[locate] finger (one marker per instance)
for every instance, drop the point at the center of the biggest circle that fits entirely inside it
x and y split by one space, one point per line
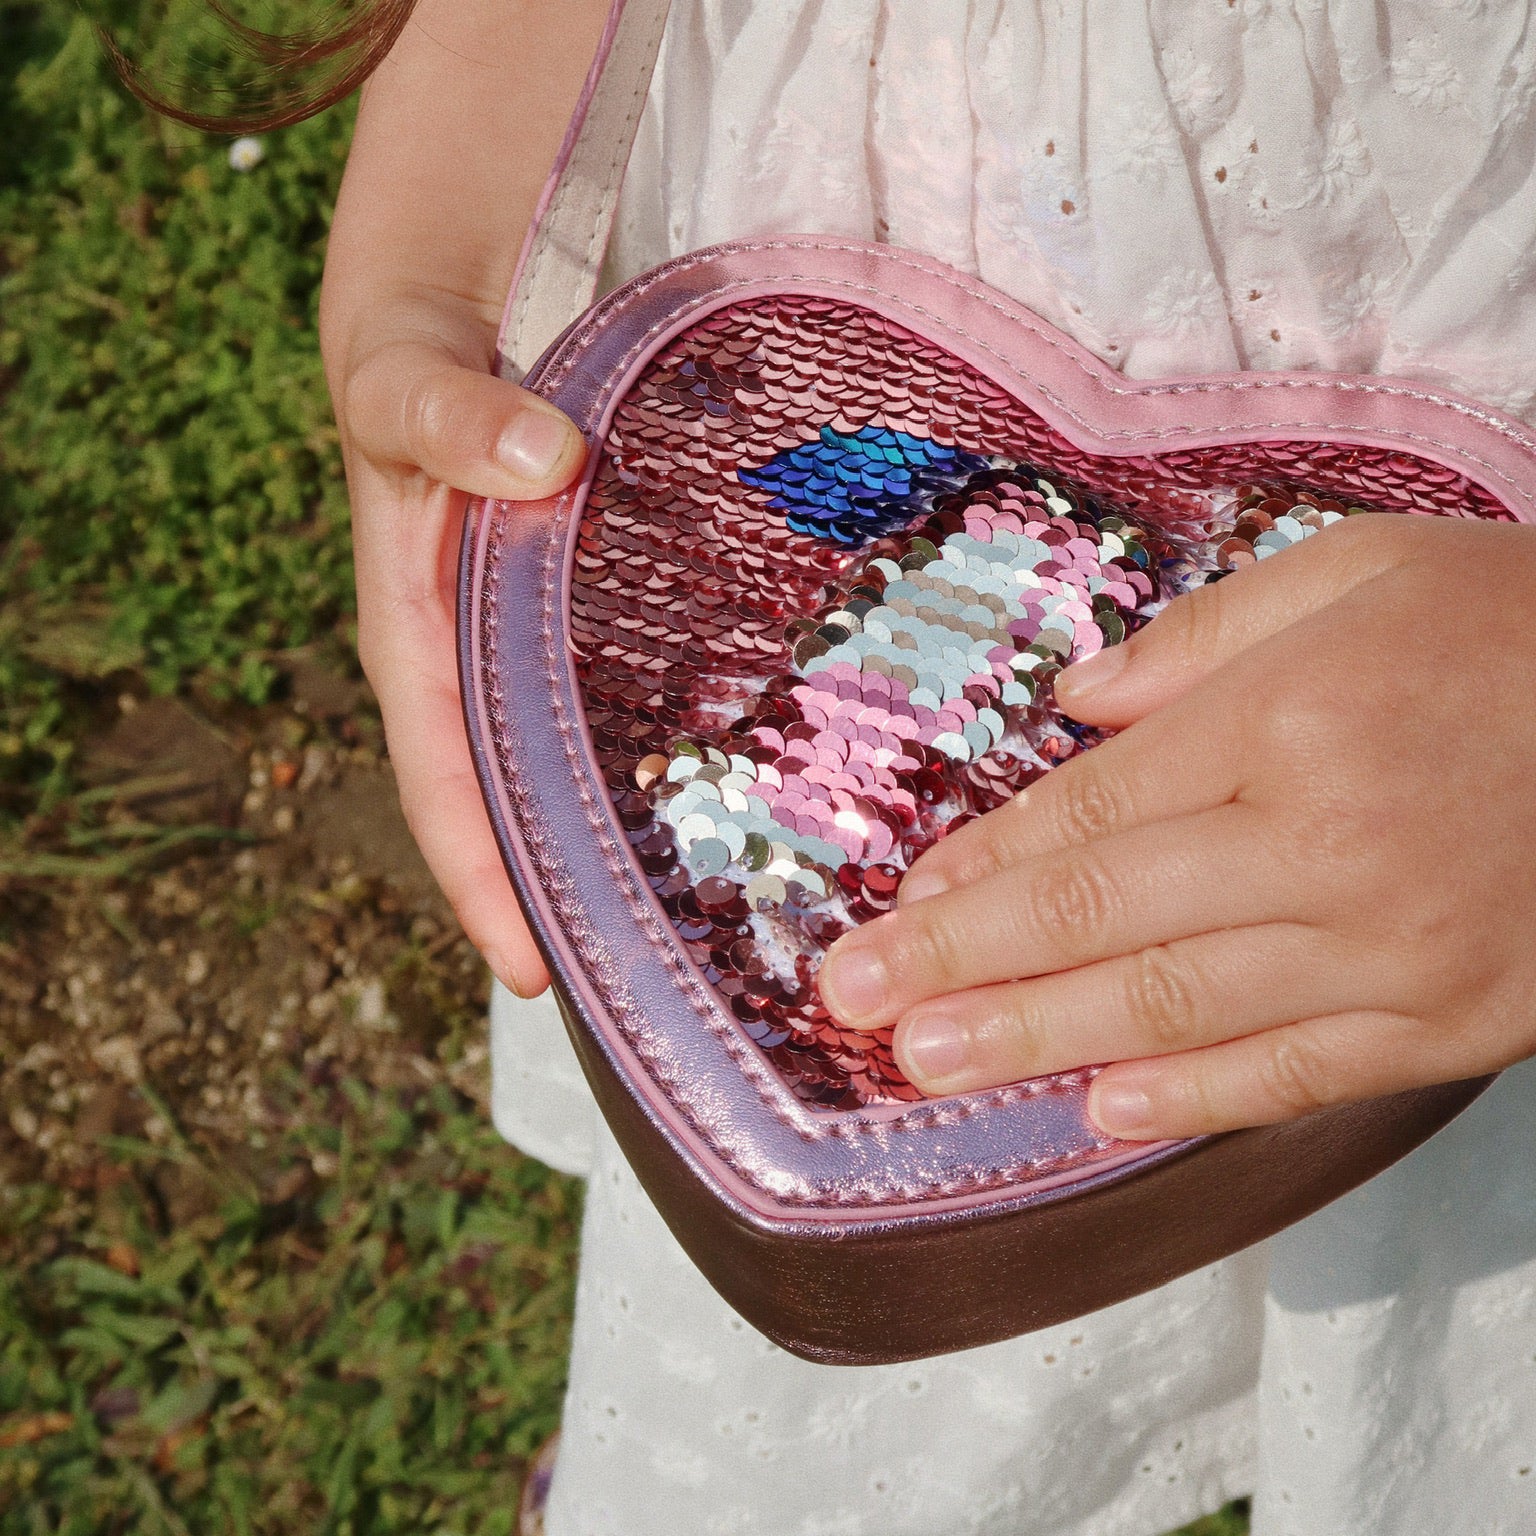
440 795
1268 1078
1172 997
407 642
1201 631
1173 761
1169 765
413 404
1151 885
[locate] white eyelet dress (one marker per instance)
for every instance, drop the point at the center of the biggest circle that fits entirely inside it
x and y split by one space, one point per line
1185 186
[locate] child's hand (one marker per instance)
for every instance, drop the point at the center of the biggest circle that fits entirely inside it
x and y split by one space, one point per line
454 137
1306 874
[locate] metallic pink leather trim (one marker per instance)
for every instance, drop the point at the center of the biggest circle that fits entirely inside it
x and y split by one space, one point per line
658 1027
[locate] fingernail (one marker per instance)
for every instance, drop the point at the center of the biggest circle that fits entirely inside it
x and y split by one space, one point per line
534 443
505 972
854 984
500 969
1121 1109
921 882
934 1049
1092 671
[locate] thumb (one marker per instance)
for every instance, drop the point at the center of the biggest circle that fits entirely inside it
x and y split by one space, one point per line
412 403
1202 630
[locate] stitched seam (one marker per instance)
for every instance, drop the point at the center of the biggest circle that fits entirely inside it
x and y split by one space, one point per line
597 818
848 1123
620 159
825 1192
1112 382
536 265
699 995
607 198
623 872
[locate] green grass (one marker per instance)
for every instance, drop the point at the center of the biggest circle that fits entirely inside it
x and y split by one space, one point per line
1232 1521
171 500
373 1351
194 1340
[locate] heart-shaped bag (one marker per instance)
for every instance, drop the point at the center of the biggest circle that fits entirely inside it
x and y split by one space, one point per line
846 513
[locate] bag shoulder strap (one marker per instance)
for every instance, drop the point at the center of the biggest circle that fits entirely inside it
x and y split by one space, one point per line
563 252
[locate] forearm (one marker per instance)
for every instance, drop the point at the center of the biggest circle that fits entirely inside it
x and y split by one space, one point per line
455 136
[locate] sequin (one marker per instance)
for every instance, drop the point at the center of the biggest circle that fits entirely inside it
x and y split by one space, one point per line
824 579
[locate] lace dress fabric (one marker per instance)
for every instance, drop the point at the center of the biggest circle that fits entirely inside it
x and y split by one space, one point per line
1185 189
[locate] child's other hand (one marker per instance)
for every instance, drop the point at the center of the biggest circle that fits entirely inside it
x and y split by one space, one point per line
454 138
1305 873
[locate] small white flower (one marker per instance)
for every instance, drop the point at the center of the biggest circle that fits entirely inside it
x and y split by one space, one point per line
1350 303
247 153
1424 75
1197 95
838 1422
1149 146
1344 161
1185 300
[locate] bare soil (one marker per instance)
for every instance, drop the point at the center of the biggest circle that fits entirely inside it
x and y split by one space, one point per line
306 931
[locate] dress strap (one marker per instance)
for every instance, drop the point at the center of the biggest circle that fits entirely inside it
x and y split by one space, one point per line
563 252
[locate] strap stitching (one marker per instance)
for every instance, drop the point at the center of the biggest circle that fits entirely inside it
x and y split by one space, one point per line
579 287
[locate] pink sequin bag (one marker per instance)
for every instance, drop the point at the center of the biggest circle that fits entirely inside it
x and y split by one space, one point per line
847 512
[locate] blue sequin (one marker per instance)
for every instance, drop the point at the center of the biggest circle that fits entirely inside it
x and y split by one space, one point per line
850 489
